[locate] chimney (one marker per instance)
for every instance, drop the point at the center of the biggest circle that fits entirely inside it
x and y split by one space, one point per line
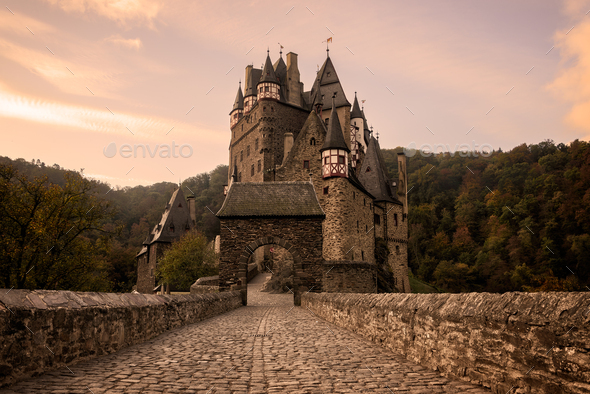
294 86
288 145
402 185
191 209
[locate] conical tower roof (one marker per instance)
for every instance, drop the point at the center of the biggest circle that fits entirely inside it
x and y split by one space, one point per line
328 84
373 174
268 72
356 109
334 137
239 101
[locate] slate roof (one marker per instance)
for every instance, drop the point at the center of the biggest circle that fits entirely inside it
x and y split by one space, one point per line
177 214
271 199
268 72
356 109
281 72
239 102
376 180
326 85
252 79
334 137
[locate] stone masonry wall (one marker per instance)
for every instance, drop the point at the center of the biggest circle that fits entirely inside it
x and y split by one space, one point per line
42 330
512 342
349 277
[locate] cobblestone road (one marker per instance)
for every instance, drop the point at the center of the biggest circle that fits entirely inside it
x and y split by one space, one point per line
267 347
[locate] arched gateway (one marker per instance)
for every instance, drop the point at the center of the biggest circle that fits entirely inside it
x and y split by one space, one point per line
255 214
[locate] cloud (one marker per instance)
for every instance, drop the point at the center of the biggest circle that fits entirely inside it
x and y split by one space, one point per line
573 81
122 11
125 42
97 120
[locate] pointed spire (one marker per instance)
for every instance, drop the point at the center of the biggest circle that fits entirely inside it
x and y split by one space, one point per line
356 110
268 72
334 137
239 101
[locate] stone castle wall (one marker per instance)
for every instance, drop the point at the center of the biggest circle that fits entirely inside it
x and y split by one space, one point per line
42 330
513 342
146 267
349 277
267 122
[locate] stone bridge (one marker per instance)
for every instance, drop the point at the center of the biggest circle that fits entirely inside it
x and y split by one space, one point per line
65 342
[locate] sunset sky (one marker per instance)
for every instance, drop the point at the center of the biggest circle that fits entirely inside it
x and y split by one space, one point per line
78 75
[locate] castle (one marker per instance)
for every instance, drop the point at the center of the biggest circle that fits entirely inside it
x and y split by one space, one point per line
303 164
281 133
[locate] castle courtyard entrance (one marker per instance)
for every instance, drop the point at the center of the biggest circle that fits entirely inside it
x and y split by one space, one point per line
286 214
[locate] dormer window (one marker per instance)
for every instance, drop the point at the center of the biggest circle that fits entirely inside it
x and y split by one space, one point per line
368 169
179 205
171 228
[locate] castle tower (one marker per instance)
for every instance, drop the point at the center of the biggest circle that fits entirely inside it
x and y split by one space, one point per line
250 93
334 151
238 109
268 87
294 86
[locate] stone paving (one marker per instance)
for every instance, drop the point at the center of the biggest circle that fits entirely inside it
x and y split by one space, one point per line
267 347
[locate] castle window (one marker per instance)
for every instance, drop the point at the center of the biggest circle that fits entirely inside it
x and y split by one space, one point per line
266 88
364 202
260 89
256 145
395 219
368 169
326 121
272 109
171 228
152 272
326 190
242 127
239 177
362 255
241 155
340 159
264 108
326 160
248 150
397 249
306 164
353 195
377 219
329 73
259 165
179 205
357 226
252 170
312 141
366 228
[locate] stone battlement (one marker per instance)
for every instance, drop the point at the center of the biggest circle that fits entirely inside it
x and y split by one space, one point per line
487 339
42 330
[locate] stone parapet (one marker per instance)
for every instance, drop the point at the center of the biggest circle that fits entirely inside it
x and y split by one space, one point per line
42 330
512 342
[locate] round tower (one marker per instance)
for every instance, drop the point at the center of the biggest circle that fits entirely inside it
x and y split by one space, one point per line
268 87
238 109
334 151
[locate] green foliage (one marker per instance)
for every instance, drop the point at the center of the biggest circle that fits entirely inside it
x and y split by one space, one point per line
52 235
513 221
187 260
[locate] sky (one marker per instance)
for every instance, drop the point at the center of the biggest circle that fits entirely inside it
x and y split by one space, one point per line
81 79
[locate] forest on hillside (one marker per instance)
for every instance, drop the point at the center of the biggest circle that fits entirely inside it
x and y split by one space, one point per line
513 221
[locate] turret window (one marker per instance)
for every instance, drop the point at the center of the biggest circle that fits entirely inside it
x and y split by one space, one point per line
171 228
256 145
368 169
340 159
259 165
241 155
252 170
266 88
312 141
377 219
326 190
395 219
397 249
306 164
248 150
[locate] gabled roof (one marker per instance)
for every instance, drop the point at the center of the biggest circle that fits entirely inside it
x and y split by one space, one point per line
252 78
176 214
239 101
326 85
271 199
334 137
268 72
356 110
373 174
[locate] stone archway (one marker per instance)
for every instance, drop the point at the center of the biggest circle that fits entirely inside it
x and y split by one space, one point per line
284 213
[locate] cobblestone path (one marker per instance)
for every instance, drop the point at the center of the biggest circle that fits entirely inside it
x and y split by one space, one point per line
267 347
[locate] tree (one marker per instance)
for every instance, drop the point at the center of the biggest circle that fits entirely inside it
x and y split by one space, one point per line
51 235
186 260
